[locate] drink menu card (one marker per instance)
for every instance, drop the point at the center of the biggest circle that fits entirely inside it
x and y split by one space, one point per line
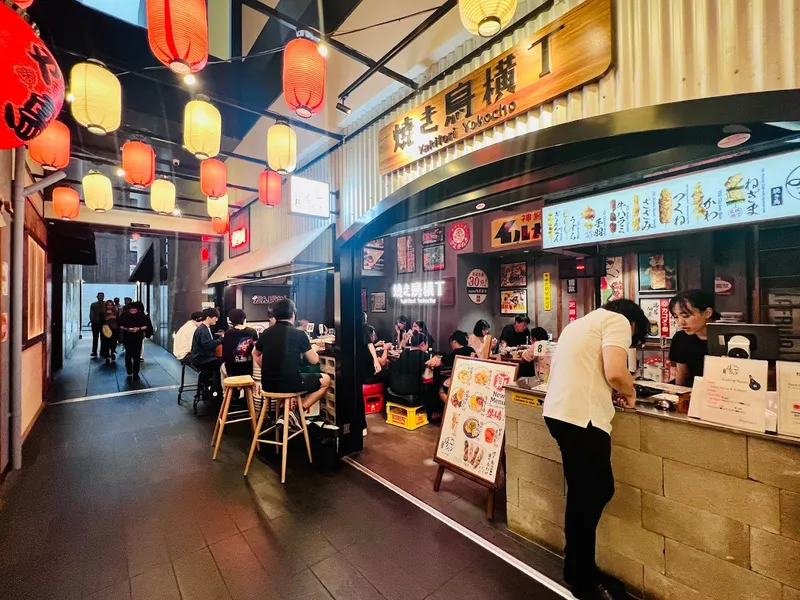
736 392
788 398
474 420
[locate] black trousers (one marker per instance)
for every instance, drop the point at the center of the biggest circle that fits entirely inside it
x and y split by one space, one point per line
108 346
586 453
96 332
133 352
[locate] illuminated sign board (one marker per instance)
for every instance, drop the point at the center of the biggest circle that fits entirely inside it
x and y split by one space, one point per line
309 198
239 236
418 292
741 194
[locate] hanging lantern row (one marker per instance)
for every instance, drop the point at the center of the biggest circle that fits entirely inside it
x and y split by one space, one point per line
217 207
304 70
33 87
51 148
139 164
96 97
220 225
202 128
97 192
486 17
281 148
162 196
66 203
178 34
213 178
269 188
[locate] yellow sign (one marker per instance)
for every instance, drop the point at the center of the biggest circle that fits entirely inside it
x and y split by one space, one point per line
548 304
567 53
527 400
516 230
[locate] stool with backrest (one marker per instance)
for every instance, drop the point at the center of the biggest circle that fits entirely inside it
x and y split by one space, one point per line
282 401
183 387
226 416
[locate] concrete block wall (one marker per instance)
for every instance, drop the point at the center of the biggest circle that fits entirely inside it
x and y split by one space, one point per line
698 513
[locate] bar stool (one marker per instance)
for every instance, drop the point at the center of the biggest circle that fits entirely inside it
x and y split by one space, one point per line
226 416
259 436
184 387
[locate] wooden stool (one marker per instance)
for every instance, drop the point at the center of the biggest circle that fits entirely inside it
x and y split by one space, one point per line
234 383
258 437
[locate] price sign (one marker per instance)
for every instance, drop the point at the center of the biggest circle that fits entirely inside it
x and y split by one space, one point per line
477 286
547 302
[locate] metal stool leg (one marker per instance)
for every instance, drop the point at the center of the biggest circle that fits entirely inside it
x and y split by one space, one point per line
183 379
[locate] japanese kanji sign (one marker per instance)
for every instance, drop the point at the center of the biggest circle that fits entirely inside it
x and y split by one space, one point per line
569 52
516 230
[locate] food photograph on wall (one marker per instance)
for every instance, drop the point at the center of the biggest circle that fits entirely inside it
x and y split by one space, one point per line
433 258
658 272
514 274
513 302
433 236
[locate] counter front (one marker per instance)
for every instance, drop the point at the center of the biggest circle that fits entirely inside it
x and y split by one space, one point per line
700 511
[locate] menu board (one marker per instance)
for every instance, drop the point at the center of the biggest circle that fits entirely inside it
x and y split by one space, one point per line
744 193
788 398
474 421
735 392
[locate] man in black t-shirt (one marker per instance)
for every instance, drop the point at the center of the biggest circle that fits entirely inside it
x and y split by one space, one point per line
280 351
238 344
517 334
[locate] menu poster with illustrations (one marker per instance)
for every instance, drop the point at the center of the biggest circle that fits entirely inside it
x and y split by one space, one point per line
474 420
736 392
788 398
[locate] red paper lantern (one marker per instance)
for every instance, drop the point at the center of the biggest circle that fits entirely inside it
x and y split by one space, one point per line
139 164
51 148
213 178
32 92
220 225
205 254
178 33
269 188
66 203
24 3
303 77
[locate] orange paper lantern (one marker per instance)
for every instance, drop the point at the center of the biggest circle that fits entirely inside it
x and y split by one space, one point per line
51 148
269 188
24 3
66 203
178 33
220 225
213 178
303 77
139 164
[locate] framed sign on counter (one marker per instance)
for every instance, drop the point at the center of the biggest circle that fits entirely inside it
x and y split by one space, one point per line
472 436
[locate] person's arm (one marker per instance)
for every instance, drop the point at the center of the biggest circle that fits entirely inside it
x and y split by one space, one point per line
683 376
376 362
257 356
309 352
616 339
677 357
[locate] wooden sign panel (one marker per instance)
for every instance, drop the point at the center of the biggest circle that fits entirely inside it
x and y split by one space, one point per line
474 420
571 51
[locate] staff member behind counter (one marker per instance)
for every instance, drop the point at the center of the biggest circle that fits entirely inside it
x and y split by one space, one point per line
693 309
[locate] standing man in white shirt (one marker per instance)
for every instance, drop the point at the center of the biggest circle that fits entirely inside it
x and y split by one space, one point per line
588 376
182 342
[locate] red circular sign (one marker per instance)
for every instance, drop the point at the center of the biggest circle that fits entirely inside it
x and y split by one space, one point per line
458 236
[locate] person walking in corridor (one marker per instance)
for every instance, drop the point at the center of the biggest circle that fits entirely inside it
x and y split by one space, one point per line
97 316
134 324
108 340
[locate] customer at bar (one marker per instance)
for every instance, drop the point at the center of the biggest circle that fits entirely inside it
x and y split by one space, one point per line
401 328
459 344
588 376
237 345
406 375
516 334
134 325
182 342
280 352
374 363
693 309
477 339
204 347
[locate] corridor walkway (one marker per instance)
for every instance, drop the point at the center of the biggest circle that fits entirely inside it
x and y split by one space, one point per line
119 500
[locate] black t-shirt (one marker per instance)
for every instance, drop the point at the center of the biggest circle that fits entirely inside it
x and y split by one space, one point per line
449 359
511 337
691 351
405 375
283 347
237 351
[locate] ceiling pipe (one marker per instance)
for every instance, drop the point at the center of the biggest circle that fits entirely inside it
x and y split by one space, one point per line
17 307
429 21
332 42
43 183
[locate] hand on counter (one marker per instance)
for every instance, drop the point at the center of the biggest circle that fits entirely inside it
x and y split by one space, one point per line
624 400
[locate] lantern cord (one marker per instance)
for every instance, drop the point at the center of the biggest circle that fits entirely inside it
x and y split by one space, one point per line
382 23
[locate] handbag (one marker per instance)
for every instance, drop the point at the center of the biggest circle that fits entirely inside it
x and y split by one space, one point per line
107 333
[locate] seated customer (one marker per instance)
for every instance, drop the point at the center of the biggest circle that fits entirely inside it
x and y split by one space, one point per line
458 343
517 334
374 364
237 345
477 339
280 352
182 342
204 347
406 375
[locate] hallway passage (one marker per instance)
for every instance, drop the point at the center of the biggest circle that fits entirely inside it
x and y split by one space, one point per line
84 375
119 500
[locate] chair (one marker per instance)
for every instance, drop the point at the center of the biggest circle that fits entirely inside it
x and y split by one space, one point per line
183 387
373 397
487 347
226 416
258 436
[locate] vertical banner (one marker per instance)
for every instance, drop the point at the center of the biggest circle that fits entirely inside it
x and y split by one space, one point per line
548 301
665 315
573 310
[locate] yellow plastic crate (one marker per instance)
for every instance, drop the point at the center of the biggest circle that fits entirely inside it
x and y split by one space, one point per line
407 417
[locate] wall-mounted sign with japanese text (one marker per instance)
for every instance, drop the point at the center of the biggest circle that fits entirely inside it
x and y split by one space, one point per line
569 52
741 194
477 286
572 310
309 198
517 230
239 236
418 292
458 236
547 297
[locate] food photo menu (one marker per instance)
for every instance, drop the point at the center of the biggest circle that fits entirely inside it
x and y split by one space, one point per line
474 421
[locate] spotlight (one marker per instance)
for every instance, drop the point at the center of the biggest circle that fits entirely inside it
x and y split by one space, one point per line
176 212
342 107
120 172
322 49
189 79
70 97
480 206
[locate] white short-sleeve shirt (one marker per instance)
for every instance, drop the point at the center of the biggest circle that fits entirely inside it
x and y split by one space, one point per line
578 391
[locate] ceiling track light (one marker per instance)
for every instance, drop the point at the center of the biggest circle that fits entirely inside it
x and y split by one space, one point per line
342 107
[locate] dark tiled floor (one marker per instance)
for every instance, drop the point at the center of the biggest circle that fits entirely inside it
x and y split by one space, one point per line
119 499
406 459
84 376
